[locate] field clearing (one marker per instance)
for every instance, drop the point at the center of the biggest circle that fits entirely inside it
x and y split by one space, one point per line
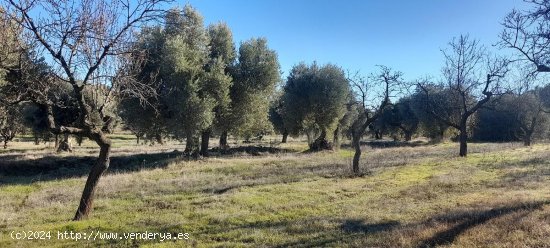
499 196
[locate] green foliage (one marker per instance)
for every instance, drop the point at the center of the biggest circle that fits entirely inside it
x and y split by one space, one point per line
187 65
219 81
432 107
385 124
351 114
275 114
514 117
185 55
10 48
397 120
406 119
315 98
11 123
35 119
146 119
30 72
221 43
255 76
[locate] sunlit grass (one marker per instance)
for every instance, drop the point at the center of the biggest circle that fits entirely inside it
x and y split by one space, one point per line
411 196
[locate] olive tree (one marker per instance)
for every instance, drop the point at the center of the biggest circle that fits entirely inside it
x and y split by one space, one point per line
405 118
519 116
255 75
440 101
145 119
187 65
11 123
221 58
276 116
531 115
315 97
344 123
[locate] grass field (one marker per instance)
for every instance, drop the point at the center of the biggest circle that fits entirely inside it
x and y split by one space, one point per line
280 196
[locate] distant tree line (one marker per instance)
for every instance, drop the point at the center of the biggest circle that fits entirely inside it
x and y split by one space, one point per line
91 66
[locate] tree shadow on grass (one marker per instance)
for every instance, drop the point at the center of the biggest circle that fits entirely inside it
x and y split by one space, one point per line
273 175
15 169
526 173
358 226
19 150
355 231
301 232
389 144
350 229
467 220
248 150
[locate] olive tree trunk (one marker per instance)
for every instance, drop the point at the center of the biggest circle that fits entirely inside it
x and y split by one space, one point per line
192 145
527 139
79 140
223 140
65 145
408 135
205 141
36 138
285 137
378 135
159 139
321 142
336 138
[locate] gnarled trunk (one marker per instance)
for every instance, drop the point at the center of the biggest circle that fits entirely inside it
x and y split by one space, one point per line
192 145
205 141
321 142
159 139
223 140
65 145
378 135
7 136
527 139
408 136
79 140
285 137
36 138
336 138
101 165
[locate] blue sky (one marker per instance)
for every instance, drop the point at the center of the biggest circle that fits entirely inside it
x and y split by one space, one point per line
357 35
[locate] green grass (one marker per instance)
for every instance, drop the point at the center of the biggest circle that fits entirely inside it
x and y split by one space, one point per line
499 196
